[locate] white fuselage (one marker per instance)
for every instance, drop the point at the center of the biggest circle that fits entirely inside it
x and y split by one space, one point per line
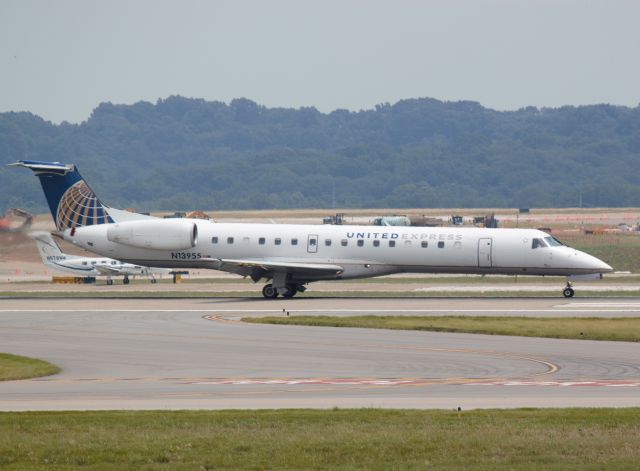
89 266
361 251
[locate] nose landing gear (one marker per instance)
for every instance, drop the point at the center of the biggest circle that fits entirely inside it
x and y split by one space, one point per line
568 292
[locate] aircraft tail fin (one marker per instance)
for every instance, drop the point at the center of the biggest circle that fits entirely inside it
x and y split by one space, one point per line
71 201
49 251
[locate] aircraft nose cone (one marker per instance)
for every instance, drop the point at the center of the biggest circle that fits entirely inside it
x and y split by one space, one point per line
595 264
606 268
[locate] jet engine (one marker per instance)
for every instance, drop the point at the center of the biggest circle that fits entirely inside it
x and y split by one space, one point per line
161 234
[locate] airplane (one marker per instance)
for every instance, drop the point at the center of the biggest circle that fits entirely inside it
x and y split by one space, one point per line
288 257
52 256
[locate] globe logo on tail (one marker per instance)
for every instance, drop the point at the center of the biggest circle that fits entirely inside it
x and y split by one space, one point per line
79 206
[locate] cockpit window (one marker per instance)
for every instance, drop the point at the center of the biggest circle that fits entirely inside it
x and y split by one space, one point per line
536 243
553 242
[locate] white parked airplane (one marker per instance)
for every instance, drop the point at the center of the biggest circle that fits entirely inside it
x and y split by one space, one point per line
291 256
52 256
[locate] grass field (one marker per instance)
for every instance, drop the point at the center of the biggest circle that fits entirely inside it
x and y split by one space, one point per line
621 251
17 367
560 439
588 328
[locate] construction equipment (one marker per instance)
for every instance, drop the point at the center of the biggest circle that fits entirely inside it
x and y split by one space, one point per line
392 220
338 219
8 221
488 220
425 221
197 215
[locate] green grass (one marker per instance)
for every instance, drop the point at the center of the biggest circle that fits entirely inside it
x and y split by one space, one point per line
621 251
556 439
586 328
17 367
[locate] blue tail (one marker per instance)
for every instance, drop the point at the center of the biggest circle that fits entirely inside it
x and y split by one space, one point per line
71 201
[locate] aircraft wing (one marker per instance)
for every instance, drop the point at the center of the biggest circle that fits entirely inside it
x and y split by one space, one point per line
105 270
259 268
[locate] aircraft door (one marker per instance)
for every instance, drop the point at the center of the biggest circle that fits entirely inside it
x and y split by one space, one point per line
484 253
312 244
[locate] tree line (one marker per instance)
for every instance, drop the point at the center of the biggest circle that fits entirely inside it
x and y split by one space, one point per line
182 153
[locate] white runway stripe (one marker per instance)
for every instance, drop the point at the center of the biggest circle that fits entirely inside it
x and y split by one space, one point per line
582 305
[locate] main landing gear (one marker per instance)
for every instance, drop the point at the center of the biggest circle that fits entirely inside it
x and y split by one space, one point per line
289 291
568 292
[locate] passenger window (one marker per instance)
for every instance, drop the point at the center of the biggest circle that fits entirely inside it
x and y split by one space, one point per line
229 240
392 243
84 263
327 242
424 244
441 244
343 242
93 263
294 241
376 243
278 241
113 263
262 240
360 243
214 240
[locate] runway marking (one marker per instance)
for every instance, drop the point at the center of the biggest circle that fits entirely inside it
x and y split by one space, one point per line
290 382
364 382
602 383
222 319
416 382
113 310
599 304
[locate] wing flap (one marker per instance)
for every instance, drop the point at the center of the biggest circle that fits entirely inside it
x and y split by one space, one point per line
248 267
105 270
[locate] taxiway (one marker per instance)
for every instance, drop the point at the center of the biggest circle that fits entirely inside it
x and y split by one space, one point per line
194 353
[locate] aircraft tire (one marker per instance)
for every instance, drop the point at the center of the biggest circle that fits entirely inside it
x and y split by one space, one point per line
269 292
125 281
291 291
109 282
153 281
568 292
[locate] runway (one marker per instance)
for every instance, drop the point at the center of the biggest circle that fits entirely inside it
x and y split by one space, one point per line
194 353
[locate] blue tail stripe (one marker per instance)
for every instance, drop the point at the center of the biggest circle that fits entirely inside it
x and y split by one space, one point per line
68 195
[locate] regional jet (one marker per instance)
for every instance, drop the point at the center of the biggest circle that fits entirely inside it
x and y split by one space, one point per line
53 257
288 257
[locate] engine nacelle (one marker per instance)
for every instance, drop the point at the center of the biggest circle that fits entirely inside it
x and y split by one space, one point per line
160 234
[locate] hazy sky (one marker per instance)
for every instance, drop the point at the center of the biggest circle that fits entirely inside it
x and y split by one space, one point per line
60 59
